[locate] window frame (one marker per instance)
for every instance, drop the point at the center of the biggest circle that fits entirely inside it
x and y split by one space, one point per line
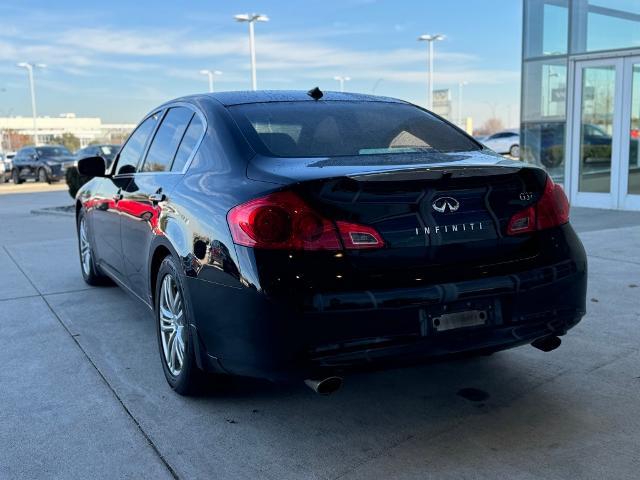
164 109
158 111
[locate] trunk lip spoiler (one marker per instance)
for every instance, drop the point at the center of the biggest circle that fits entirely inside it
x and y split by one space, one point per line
294 170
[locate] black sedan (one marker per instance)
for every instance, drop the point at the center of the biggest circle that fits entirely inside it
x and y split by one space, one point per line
43 164
287 235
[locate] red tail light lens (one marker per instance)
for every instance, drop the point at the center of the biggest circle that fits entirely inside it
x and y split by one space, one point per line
551 210
283 221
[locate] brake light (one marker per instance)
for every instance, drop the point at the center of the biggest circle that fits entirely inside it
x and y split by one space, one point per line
283 221
551 210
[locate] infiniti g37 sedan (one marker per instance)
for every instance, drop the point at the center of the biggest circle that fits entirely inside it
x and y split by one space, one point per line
293 235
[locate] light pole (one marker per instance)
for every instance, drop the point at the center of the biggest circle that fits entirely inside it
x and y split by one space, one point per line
460 85
210 74
251 19
30 67
342 79
430 39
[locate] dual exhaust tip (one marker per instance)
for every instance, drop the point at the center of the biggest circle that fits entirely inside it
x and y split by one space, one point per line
329 385
324 386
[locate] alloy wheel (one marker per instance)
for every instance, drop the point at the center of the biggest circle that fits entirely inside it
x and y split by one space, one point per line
85 249
172 325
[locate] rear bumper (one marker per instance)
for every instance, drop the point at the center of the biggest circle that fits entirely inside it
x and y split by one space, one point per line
246 333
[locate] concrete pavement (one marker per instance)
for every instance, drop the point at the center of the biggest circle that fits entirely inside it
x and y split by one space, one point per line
83 395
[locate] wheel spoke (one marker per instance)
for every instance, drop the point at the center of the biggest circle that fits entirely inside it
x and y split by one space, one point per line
165 313
177 302
180 350
171 343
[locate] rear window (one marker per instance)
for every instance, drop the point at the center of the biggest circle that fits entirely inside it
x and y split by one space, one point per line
327 129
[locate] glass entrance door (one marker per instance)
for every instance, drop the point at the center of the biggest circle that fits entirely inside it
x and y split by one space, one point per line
630 178
596 131
605 134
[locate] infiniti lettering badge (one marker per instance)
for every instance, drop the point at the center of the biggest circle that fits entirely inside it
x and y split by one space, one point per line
443 204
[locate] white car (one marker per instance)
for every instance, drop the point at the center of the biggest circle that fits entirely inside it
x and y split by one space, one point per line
6 163
505 142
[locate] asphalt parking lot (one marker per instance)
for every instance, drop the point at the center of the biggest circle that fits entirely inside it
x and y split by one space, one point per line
82 393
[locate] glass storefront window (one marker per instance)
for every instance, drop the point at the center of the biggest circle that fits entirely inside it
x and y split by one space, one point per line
605 25
544 115
547 27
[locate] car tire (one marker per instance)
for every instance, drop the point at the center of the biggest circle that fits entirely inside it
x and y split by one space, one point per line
90 271
15 176
514 151
43 177
172 322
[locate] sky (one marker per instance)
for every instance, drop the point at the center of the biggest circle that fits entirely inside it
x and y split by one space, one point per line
119 59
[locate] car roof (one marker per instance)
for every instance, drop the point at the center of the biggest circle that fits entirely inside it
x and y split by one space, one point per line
266 96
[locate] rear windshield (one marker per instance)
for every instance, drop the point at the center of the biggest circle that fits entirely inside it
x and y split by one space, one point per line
326 129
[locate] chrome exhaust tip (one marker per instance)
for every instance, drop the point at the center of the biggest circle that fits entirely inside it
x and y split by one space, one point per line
547 344
324 386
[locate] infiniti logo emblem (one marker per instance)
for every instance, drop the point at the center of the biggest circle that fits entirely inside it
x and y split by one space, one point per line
442 204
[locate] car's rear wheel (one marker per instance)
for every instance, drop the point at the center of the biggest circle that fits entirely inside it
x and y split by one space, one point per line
15 176
90 272
514 151
175 342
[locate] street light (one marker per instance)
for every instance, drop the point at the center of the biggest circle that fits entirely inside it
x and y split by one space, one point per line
30 67
460 85
210 74
430 39
342 79
251 19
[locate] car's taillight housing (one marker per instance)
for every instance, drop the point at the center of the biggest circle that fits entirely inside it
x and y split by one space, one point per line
551 210
283 221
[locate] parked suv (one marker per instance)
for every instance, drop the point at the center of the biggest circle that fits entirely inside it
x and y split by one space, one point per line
44 164
106 151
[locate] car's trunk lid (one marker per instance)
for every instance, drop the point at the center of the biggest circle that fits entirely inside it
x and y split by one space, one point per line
432 217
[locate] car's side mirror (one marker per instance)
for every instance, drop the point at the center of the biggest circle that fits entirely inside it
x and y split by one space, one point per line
92 167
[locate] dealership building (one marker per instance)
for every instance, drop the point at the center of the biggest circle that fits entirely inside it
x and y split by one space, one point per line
86 129
581 97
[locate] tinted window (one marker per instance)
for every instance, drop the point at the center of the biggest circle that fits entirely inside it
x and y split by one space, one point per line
318 129
166 140
130 154
189 142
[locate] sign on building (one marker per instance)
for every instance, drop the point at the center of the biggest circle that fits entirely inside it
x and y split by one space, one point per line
442 103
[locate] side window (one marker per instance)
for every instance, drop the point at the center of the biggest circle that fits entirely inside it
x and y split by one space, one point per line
189 142
131 152
166 140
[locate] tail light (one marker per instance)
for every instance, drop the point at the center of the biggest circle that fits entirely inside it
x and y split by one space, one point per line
283 221
551 210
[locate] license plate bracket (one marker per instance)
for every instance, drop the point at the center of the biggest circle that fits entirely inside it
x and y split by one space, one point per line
459 316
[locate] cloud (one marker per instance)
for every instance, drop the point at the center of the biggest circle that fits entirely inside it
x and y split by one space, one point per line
121 42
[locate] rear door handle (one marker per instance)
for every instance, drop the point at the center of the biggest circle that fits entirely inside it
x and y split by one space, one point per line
157 197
